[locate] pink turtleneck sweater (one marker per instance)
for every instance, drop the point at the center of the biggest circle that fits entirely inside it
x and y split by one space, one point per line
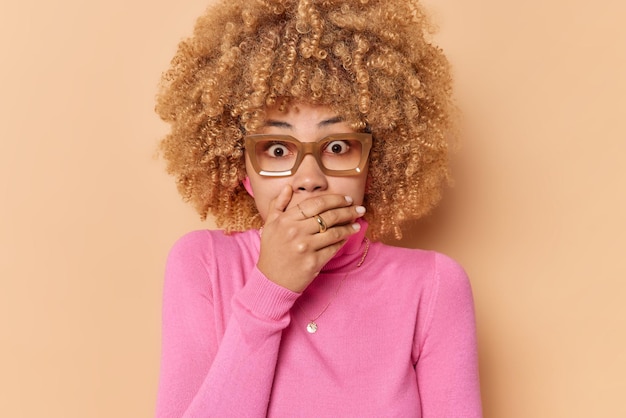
397 340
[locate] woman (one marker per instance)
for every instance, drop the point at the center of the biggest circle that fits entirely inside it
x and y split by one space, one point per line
309 130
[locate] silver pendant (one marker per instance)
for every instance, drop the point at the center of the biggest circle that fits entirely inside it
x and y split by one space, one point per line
311 327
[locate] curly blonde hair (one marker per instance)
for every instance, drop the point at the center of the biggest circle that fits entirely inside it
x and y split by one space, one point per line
370 60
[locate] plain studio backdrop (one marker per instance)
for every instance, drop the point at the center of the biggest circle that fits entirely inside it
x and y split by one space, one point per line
87 214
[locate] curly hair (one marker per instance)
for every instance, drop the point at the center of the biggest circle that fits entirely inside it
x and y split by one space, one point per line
369 60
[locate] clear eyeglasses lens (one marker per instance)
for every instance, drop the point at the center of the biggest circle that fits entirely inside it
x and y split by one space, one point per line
281 155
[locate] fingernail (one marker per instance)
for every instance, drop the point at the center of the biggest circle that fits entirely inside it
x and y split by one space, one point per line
356 226
360 210
348 199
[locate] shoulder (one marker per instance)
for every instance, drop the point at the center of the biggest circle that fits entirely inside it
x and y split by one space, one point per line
448 269
191 242
438 289
200 253
211 242
422 260
431 269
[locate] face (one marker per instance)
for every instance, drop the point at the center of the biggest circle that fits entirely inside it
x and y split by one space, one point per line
306 123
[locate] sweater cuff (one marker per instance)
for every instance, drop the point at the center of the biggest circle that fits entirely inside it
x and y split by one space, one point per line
264 298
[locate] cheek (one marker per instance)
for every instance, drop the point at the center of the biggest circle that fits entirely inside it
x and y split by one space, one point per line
264 191
362 192
355 187
363 186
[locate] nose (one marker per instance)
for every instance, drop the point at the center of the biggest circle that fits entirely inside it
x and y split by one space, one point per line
309 177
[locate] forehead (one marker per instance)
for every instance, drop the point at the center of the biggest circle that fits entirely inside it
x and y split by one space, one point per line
304 117
300 112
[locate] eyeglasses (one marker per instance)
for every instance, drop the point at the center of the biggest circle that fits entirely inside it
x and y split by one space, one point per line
342 154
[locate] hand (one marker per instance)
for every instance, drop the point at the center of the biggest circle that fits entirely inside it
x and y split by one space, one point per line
293 250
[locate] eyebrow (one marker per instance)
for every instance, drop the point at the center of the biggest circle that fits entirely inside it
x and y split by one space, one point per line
321 124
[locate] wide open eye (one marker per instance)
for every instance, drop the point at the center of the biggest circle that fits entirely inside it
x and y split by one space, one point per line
276 149
337 147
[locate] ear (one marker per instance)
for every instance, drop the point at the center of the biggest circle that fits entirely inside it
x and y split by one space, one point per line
247 186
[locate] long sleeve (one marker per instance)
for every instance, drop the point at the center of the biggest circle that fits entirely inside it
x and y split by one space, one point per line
447 369
213 365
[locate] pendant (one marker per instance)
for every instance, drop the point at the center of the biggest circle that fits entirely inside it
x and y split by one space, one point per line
312 327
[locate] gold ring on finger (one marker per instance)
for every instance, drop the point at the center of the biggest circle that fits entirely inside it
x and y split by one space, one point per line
321 223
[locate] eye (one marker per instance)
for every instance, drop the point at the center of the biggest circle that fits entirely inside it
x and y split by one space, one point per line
277 149
337 147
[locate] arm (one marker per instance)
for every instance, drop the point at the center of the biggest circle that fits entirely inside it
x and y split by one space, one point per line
212 370
447 370
204 376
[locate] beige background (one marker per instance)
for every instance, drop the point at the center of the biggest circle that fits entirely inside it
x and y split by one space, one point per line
87 214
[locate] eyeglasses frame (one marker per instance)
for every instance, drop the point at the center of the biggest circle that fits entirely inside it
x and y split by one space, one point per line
312 148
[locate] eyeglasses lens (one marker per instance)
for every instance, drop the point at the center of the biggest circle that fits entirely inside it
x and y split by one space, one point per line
278 155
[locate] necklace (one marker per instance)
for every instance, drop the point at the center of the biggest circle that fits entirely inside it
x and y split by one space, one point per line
312 325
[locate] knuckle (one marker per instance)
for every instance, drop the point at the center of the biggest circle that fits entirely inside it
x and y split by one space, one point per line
291 232
301 247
